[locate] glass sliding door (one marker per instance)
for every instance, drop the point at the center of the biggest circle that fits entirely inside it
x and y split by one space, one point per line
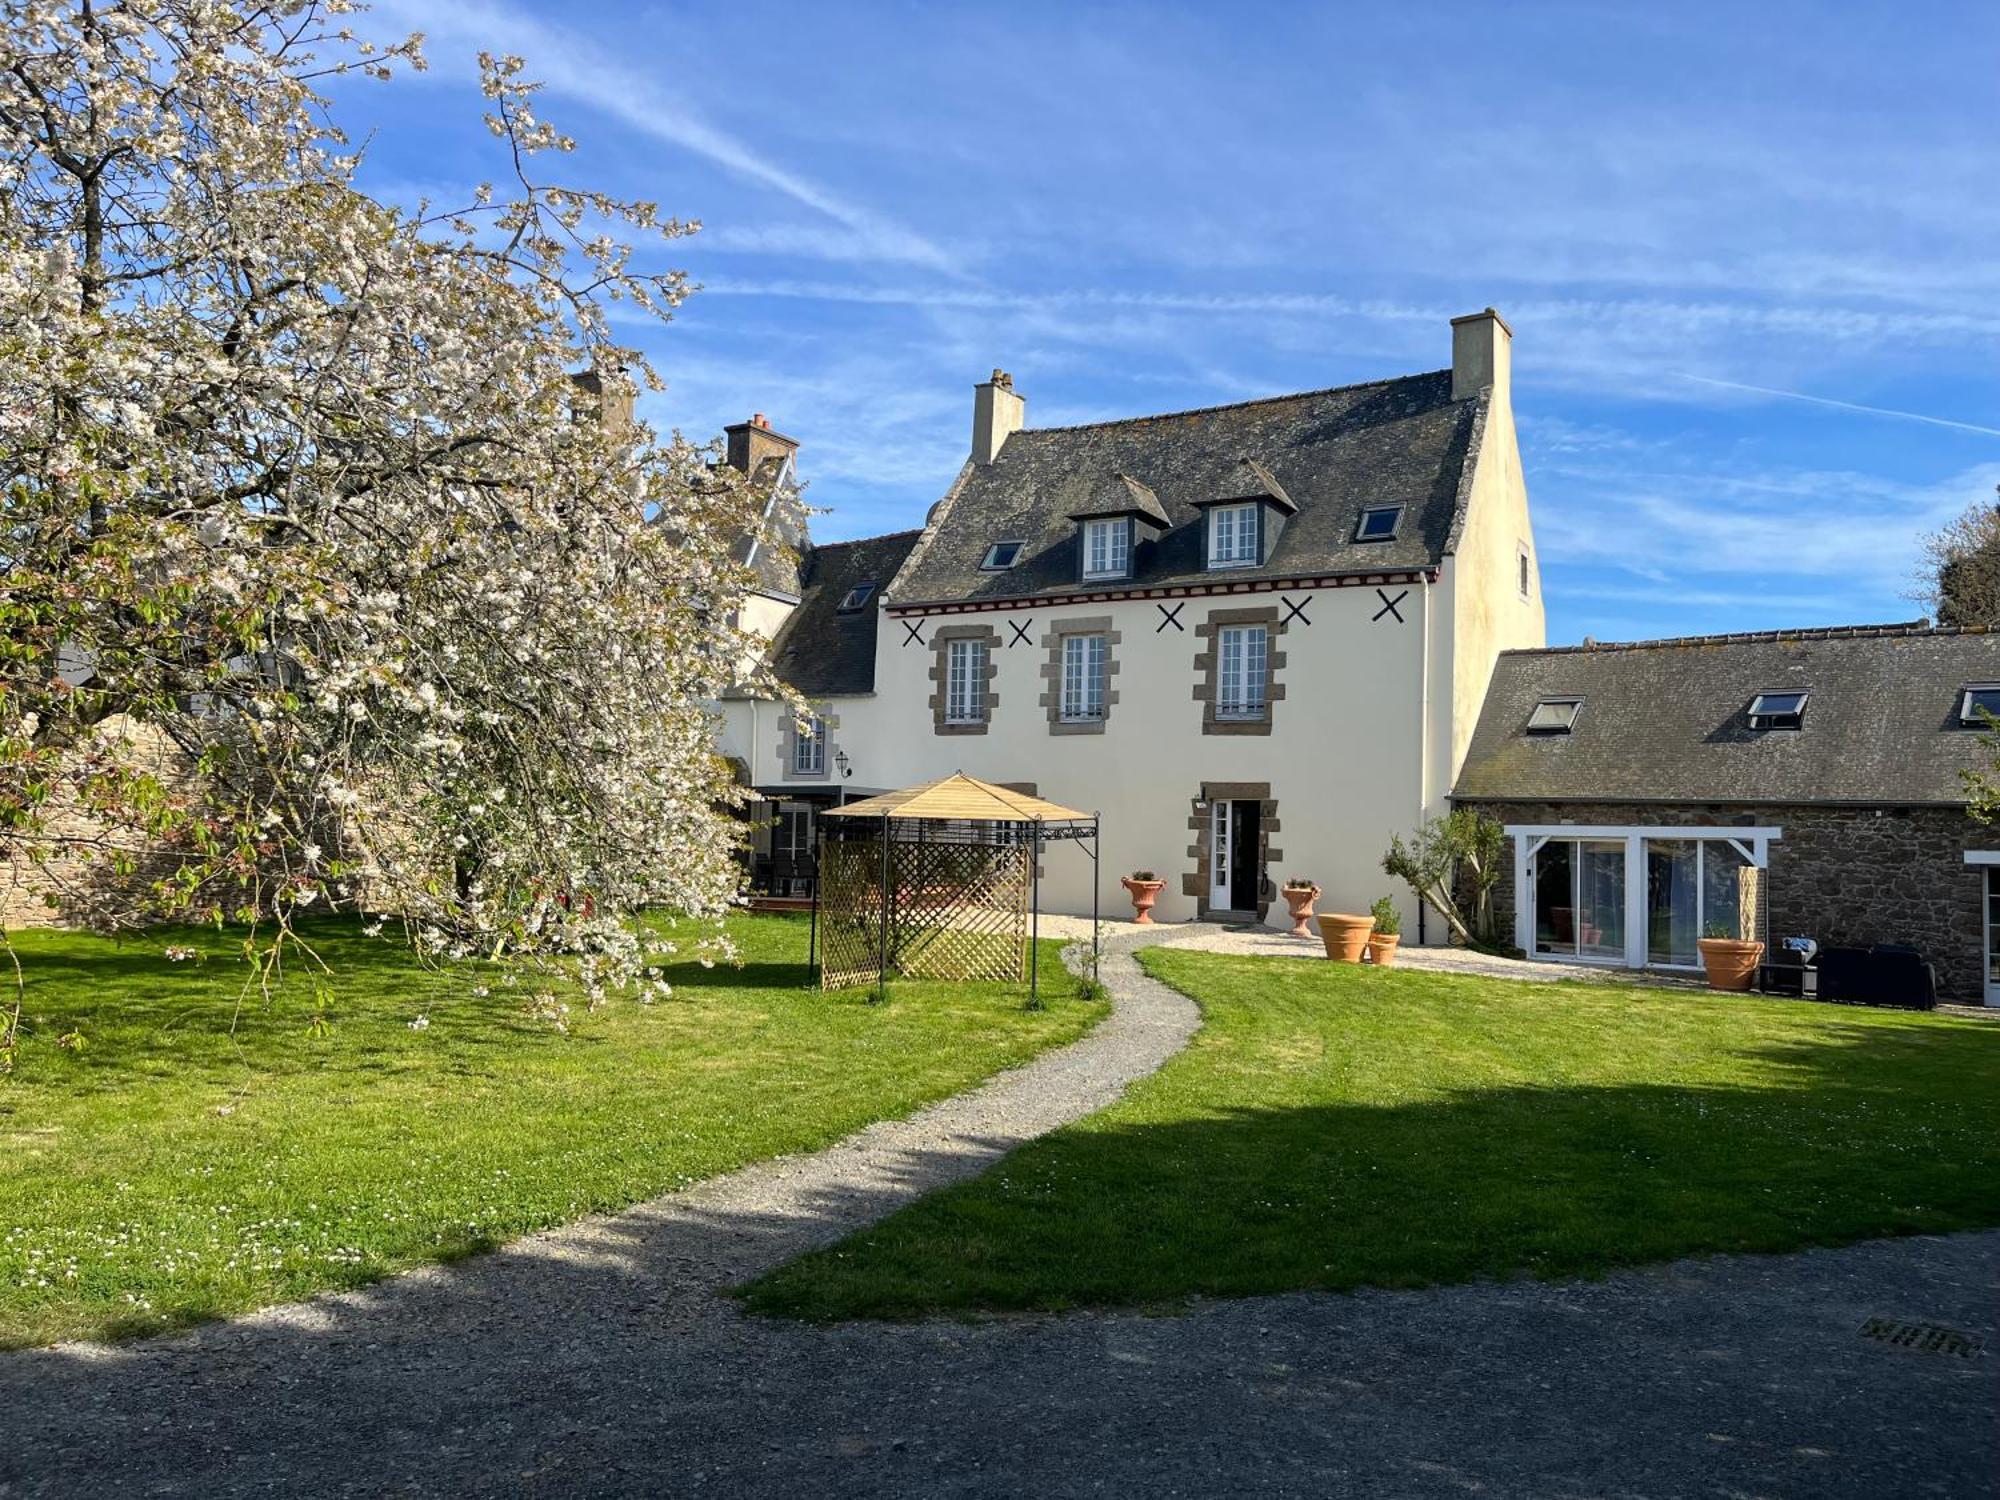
1673 887
1555 897
1600 898
1722 867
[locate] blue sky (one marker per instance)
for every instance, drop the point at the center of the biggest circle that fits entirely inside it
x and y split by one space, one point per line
1749 252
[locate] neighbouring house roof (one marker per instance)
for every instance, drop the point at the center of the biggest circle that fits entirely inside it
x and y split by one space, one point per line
1666 721
775 563
1325 455
821 651
960 796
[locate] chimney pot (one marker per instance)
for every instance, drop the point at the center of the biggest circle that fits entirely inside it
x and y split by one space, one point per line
760 420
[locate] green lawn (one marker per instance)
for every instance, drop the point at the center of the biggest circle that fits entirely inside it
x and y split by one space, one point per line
167 1173
1336 1126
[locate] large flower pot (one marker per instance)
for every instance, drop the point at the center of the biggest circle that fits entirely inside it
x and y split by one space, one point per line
1299 904
1382 948
1345 935
1144 893
1731 962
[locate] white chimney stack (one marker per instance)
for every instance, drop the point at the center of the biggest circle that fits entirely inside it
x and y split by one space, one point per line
1482 354
997 414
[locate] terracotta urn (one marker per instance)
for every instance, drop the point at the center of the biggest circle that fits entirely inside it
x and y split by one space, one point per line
1144 893
1731 962
1299 905
1382 948
1345 935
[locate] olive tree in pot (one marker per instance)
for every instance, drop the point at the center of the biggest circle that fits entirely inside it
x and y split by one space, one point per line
1387 934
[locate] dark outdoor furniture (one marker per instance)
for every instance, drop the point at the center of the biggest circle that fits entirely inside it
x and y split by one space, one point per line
1784 974
1887 974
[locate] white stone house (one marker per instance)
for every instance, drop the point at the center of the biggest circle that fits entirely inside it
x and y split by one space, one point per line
1254 637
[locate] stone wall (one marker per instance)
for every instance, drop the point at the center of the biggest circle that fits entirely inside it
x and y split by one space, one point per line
1842 875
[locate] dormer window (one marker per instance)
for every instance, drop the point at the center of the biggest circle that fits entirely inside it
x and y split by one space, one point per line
1001 556
1979 705
1233 532
856 599
1554 716
1378 523
1778 710
1107 548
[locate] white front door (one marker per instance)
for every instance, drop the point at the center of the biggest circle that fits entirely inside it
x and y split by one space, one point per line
1218 857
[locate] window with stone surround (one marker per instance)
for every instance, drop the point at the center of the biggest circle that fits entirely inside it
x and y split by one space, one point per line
1236 669
1076 675
962 676
809 748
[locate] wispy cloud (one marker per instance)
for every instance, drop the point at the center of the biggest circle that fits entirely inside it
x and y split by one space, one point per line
1854 406
569 65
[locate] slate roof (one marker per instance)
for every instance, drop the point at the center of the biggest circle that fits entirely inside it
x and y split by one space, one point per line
820 651
775 567
1330 453
1664 721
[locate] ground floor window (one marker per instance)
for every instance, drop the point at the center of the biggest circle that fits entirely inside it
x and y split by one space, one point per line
1635 896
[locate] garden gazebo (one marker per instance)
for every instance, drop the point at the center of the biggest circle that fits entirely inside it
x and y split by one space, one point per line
939 881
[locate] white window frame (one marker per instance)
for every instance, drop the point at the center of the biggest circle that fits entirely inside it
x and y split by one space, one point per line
1242 532
1085 668
988 563
965 682
1116 534
809 748
1233 660
1754 844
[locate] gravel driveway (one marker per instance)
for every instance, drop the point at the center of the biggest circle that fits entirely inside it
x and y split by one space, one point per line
599 1360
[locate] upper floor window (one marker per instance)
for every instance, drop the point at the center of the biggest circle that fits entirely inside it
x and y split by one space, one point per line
856 598
1780 710
1083 674
1378 523
1232 536
965 682
1979 705
1526 581
1107 548
1241 675
1001 556
809 748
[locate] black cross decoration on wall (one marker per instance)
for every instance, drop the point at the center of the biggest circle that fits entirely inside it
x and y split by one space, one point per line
1170 617
1389 605
1295 609
912 631
1020 634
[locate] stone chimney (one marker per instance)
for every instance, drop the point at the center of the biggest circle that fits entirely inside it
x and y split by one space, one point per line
751 442
609 400
997 414
1482 354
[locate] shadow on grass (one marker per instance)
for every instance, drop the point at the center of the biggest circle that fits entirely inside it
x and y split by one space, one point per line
1860 1131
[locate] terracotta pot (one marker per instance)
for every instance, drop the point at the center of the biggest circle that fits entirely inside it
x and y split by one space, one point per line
1731 962
1299 903
1345 935
1144 894
1382 947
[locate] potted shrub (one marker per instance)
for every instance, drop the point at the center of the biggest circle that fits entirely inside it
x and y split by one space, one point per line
1145 889
1300 891
1388 932
1345 935
1731 961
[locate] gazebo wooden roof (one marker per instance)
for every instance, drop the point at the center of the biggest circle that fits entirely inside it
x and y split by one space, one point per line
963 797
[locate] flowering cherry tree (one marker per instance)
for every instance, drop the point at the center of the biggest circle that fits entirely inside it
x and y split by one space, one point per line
328 580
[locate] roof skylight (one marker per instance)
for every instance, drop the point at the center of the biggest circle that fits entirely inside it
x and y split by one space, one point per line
856 598
1979 705
1001 556
1779 710
1554 716
1378 523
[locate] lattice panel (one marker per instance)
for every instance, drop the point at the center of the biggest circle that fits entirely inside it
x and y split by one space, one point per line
850 911
961 910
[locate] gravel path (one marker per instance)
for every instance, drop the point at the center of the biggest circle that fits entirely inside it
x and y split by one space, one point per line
599 1360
